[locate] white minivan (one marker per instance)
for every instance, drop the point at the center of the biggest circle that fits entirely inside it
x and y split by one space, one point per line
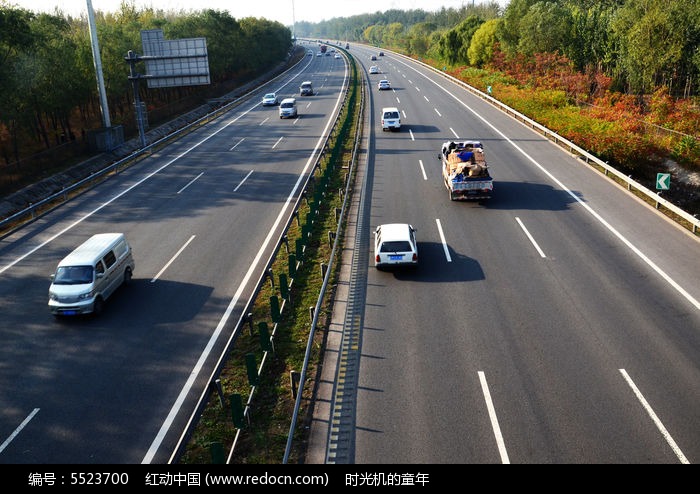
86 277
288 108
391 118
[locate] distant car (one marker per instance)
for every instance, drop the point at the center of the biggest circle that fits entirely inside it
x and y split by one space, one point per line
381 53
337 55
319 54
270 99
306 89
395 245
374 69
310 53
383 84
391 119
373 57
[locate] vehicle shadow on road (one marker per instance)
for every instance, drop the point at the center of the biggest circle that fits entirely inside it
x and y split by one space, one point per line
528 196
419 128
433 266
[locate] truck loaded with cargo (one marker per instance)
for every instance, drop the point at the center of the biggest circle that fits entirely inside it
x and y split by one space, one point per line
465 171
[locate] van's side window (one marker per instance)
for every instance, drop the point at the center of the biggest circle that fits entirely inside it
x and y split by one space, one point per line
99 267
110 259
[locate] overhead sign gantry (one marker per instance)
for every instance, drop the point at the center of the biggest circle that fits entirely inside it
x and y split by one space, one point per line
169 63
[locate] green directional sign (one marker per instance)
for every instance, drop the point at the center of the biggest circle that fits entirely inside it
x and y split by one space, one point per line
663 181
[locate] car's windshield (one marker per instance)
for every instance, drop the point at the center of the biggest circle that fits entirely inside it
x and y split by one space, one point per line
391 114
73 275
270 96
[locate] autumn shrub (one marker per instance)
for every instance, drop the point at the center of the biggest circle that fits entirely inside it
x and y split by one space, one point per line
631 132
687 152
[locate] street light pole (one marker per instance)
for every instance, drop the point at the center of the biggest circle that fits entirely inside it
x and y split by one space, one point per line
98 69
294 36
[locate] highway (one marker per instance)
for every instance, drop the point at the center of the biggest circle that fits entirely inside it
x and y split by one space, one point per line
203 216
556 323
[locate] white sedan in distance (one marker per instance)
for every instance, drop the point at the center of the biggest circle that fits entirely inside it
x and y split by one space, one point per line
270 99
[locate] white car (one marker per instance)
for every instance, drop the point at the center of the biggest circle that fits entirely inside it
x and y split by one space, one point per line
288 108
374 69
270 99
383 84
395 245
337 55
391 118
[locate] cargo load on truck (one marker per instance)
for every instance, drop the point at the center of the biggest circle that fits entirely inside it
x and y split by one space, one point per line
465 171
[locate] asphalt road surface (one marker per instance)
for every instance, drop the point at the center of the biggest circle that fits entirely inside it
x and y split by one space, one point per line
558 322
203 216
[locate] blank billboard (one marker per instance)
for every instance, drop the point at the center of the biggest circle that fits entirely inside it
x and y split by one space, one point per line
179 62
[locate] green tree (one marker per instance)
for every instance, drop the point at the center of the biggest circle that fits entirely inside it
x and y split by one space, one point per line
418 38
118 34
510 29
50 73
591 45
466 30
15 40
394 35
546 27
485 38
374 34
653 39
223 35
273 36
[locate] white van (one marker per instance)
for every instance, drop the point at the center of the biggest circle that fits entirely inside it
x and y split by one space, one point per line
86 277
391 118
306 89
288 108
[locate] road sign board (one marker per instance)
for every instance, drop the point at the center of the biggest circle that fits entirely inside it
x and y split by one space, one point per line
663 181
173 63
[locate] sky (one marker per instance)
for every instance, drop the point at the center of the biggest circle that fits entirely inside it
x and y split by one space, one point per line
283 11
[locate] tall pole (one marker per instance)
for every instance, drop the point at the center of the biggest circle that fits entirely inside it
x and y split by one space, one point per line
98 66
294 36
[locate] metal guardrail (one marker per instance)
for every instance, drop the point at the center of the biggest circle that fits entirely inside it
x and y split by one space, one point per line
632 184
336 246
223 358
